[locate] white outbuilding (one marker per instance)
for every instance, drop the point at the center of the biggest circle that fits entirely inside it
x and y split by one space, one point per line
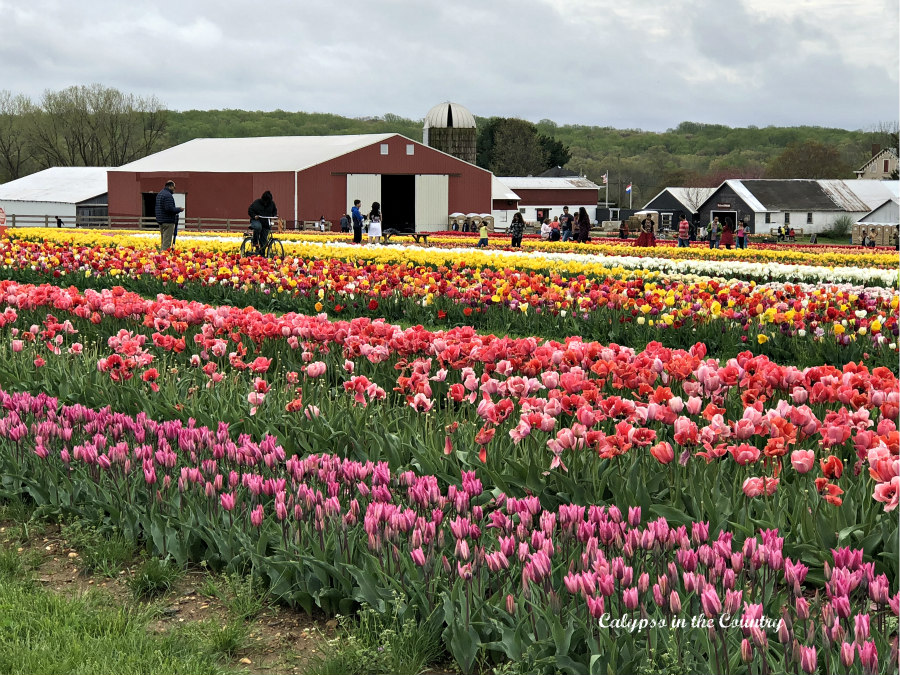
73 193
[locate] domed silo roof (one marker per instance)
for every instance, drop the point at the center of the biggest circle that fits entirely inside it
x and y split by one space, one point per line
450 115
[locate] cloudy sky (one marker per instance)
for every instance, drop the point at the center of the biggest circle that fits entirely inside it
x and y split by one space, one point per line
646 64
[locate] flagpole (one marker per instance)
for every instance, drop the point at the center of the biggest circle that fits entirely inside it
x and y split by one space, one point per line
630 194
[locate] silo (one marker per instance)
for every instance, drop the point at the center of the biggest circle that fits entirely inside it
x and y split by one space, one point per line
450 128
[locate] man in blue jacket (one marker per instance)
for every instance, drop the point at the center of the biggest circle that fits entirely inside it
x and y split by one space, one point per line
357 222
167 214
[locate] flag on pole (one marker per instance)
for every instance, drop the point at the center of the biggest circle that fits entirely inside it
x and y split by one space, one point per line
606 178
628 188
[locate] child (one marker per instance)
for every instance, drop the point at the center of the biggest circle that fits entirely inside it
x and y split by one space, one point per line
483 234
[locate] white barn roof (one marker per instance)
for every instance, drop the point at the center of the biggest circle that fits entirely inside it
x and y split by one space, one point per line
499 190
61 185
870 193
256 154
548 183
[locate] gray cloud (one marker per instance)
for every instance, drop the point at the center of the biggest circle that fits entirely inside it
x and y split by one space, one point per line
639 64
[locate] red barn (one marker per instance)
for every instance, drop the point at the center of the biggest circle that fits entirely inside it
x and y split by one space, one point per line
309 177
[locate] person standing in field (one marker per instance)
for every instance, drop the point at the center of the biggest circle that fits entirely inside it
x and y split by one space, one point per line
357 219
516 229
483 235
584 225
714 230
684 233
375 224
566 221
741 235
167 214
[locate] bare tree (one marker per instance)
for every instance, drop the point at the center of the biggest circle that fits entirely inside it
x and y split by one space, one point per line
15 158
95 126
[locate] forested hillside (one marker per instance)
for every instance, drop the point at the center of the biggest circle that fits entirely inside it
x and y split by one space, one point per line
690 154
100 126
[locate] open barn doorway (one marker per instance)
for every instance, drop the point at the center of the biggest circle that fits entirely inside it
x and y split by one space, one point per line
398 202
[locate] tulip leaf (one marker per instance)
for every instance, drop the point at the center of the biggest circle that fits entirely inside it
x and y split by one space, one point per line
672 515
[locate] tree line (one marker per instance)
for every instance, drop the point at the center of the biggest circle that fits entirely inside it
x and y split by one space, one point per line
102 126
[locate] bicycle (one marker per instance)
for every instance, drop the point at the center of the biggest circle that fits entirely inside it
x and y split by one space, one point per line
270 248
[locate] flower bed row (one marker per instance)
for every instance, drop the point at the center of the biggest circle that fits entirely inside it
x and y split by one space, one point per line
877 270
818 256
584 586
577 420
724 316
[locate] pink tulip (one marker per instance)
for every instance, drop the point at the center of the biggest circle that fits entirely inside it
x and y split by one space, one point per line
710 602
256 516
808 659
803 460
663 452
315 369
674 602
17 345
418 557
630 598
746 651
754 487
227 501
848 654
868 656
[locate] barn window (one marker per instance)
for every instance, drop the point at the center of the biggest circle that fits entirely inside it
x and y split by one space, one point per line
768 217
887 166
410 149
809 219
666 219
384 148
787 218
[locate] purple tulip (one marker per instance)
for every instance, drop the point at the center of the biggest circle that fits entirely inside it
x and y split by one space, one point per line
710 602
808 659
746 651
418 557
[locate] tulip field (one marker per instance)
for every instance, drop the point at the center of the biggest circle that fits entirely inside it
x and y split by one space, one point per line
565 458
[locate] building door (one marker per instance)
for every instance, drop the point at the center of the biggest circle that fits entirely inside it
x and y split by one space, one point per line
432 203
398 202
366 187
725 217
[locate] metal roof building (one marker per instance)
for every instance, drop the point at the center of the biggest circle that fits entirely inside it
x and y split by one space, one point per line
309 177
812 205
543 197
67 192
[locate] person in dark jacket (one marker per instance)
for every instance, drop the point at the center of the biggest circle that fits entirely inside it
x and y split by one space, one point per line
345 223
584 225
261 213
167 214
357 217
516 229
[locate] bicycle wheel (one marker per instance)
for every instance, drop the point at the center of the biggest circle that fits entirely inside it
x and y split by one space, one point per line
247 247
275 249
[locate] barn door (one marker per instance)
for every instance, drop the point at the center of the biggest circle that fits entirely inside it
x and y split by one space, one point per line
432 203
365 187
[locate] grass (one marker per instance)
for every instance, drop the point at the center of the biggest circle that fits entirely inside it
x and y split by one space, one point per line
42 632
104 553
154 578
374 644
240 595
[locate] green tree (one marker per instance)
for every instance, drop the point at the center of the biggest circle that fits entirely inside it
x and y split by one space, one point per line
517 150
810 159
514 147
